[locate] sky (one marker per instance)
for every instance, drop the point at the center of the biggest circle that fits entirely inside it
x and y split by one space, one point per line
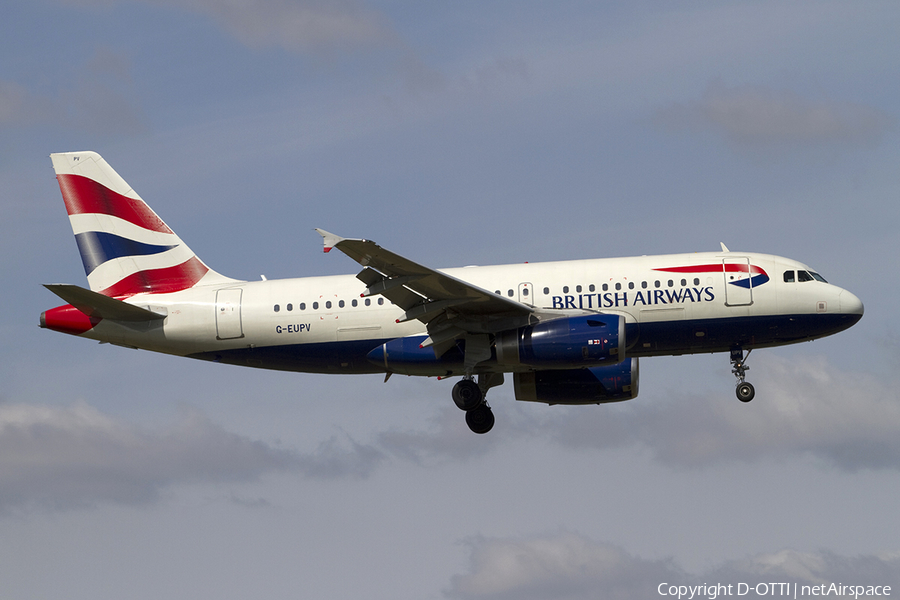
454 134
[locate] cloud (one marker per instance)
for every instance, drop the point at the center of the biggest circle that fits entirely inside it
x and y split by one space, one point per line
75 457
568 565
20 107
334 460
803 406
561 566
759 116
100 99
60 458
565 565
812 568
447 439
297 25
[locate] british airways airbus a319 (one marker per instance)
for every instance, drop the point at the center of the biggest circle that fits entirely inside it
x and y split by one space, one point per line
568 332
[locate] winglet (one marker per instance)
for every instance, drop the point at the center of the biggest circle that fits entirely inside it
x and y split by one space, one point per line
330 239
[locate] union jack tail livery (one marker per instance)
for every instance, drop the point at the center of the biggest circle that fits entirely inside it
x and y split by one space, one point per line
125 247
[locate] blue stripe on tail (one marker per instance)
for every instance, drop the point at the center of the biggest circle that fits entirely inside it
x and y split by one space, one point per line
97 247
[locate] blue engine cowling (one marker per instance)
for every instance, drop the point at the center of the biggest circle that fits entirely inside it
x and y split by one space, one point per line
407 356
592 385
564 342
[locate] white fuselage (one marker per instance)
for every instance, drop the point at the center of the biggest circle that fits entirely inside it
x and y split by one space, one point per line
672 304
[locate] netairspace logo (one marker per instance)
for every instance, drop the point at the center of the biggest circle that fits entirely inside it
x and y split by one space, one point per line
791 590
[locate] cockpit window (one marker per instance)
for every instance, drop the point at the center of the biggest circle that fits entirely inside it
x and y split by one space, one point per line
817 277
804 276
789 277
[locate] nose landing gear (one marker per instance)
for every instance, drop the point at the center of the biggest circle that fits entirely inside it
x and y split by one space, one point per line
469 396
744 389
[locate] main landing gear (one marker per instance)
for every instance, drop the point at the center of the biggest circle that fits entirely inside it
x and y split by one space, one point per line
744 389
469 396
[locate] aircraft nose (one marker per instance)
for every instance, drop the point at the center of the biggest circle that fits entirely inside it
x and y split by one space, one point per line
850 304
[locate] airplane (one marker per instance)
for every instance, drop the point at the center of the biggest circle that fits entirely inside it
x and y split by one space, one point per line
568 332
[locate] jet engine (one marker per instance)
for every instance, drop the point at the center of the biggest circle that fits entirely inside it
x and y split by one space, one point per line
564 342
591 385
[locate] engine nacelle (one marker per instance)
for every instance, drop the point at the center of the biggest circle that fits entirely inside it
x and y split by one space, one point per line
564 342
408 357
593 385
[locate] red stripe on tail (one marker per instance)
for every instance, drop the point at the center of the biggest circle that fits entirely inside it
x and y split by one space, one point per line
84 196
159 281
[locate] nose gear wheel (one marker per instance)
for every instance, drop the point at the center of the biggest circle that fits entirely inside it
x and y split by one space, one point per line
744 390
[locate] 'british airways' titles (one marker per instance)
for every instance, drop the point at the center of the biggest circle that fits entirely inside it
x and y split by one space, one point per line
632 298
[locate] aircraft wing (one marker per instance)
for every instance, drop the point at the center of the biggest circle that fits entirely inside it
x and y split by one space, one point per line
450 307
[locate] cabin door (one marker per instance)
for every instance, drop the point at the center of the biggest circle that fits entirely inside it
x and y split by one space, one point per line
228 314
738 284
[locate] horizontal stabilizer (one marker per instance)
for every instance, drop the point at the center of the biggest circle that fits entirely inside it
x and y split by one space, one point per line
97 305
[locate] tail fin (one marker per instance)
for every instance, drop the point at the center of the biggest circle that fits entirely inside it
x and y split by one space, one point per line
125 247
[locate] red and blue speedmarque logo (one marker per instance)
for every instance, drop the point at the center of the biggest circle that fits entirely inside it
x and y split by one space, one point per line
757 275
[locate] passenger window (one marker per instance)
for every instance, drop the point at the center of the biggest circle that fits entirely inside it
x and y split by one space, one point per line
509 293
565 289
353 303
577 289
644 285
290 306
315 306
618 286
591 288
498 292
546 291
525 291
789 277
277 308
380 301
630 285
368 301
656 283
683 282
803 276
696 281
671 283
341 304
303 306
328 304
605 287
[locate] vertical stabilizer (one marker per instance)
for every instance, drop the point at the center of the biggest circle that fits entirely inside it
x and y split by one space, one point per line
125 247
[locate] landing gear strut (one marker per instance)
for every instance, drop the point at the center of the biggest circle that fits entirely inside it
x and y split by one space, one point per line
744 389
469 396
